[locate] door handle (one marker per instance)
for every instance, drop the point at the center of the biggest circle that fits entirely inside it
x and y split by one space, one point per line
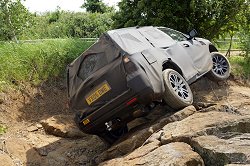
186 45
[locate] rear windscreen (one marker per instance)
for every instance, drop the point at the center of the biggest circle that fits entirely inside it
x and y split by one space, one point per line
97 56
92 63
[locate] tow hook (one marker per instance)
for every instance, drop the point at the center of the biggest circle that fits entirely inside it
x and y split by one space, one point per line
111 123
108 125
152 106
149 107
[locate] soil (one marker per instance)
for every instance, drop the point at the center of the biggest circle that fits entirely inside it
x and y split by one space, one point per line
28 142
28 105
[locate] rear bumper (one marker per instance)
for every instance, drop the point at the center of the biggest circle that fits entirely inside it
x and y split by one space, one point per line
118 108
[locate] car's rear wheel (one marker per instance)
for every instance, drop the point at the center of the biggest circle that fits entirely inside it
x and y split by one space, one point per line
221 68
177 91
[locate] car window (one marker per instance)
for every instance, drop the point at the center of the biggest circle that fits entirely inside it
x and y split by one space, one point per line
178 36
153 33
92 63
156 37
130 40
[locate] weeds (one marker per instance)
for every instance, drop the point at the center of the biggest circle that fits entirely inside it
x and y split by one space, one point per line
36 62
2 129
240 66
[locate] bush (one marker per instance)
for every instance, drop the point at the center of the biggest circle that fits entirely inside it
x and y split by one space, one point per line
240 66
61 24
36 62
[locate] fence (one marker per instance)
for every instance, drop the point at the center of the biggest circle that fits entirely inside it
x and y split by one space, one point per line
223 45
90 40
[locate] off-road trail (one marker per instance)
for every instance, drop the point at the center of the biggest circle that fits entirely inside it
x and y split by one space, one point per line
215 130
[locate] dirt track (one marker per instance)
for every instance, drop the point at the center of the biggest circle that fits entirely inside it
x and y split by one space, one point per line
41 130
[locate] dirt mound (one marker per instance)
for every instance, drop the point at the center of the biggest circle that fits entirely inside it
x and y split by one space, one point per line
215 131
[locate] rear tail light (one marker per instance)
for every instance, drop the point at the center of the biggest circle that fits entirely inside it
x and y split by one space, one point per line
130 102
130 67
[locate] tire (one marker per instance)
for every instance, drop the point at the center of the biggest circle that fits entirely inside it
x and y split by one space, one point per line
112 136
177 91
221 68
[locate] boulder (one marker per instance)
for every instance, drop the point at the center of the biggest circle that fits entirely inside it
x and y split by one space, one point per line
44 144
219 137
197 125
218 151
138 138
62 126
76 152
152 155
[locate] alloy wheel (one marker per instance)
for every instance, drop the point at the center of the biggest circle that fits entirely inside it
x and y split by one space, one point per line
179 86
220 65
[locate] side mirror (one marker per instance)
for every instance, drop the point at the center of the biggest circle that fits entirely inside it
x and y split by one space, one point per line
193 33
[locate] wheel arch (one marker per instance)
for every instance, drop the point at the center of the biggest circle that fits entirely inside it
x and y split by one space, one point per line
212 48
169 64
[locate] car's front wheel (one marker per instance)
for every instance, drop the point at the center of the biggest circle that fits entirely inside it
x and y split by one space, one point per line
221 68
177 91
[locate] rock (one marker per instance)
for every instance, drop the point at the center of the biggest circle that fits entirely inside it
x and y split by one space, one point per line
196 125
32 128
216 136
151 155
62 126
2 98
39 126
76 152
143 150
5 160
18 148
201 105
136 139
217 151
44 144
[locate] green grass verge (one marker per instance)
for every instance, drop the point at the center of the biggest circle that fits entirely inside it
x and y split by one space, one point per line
240 66
2 129
36 62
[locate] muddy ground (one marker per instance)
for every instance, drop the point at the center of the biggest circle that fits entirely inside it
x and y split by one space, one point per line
214 131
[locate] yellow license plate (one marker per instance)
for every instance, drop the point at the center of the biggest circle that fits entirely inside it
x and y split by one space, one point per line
104 88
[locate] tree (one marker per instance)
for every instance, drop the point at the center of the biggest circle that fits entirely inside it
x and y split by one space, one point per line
54 16
68 24
14 18
244 30
207 16
95 6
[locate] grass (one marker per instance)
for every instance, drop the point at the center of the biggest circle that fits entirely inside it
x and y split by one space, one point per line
37 62
2 129
240 66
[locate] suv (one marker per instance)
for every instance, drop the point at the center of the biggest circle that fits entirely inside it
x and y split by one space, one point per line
127 71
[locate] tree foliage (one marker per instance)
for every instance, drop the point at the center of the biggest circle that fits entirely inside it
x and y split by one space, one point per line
244 29
14 18
95 6
62 24
207 16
